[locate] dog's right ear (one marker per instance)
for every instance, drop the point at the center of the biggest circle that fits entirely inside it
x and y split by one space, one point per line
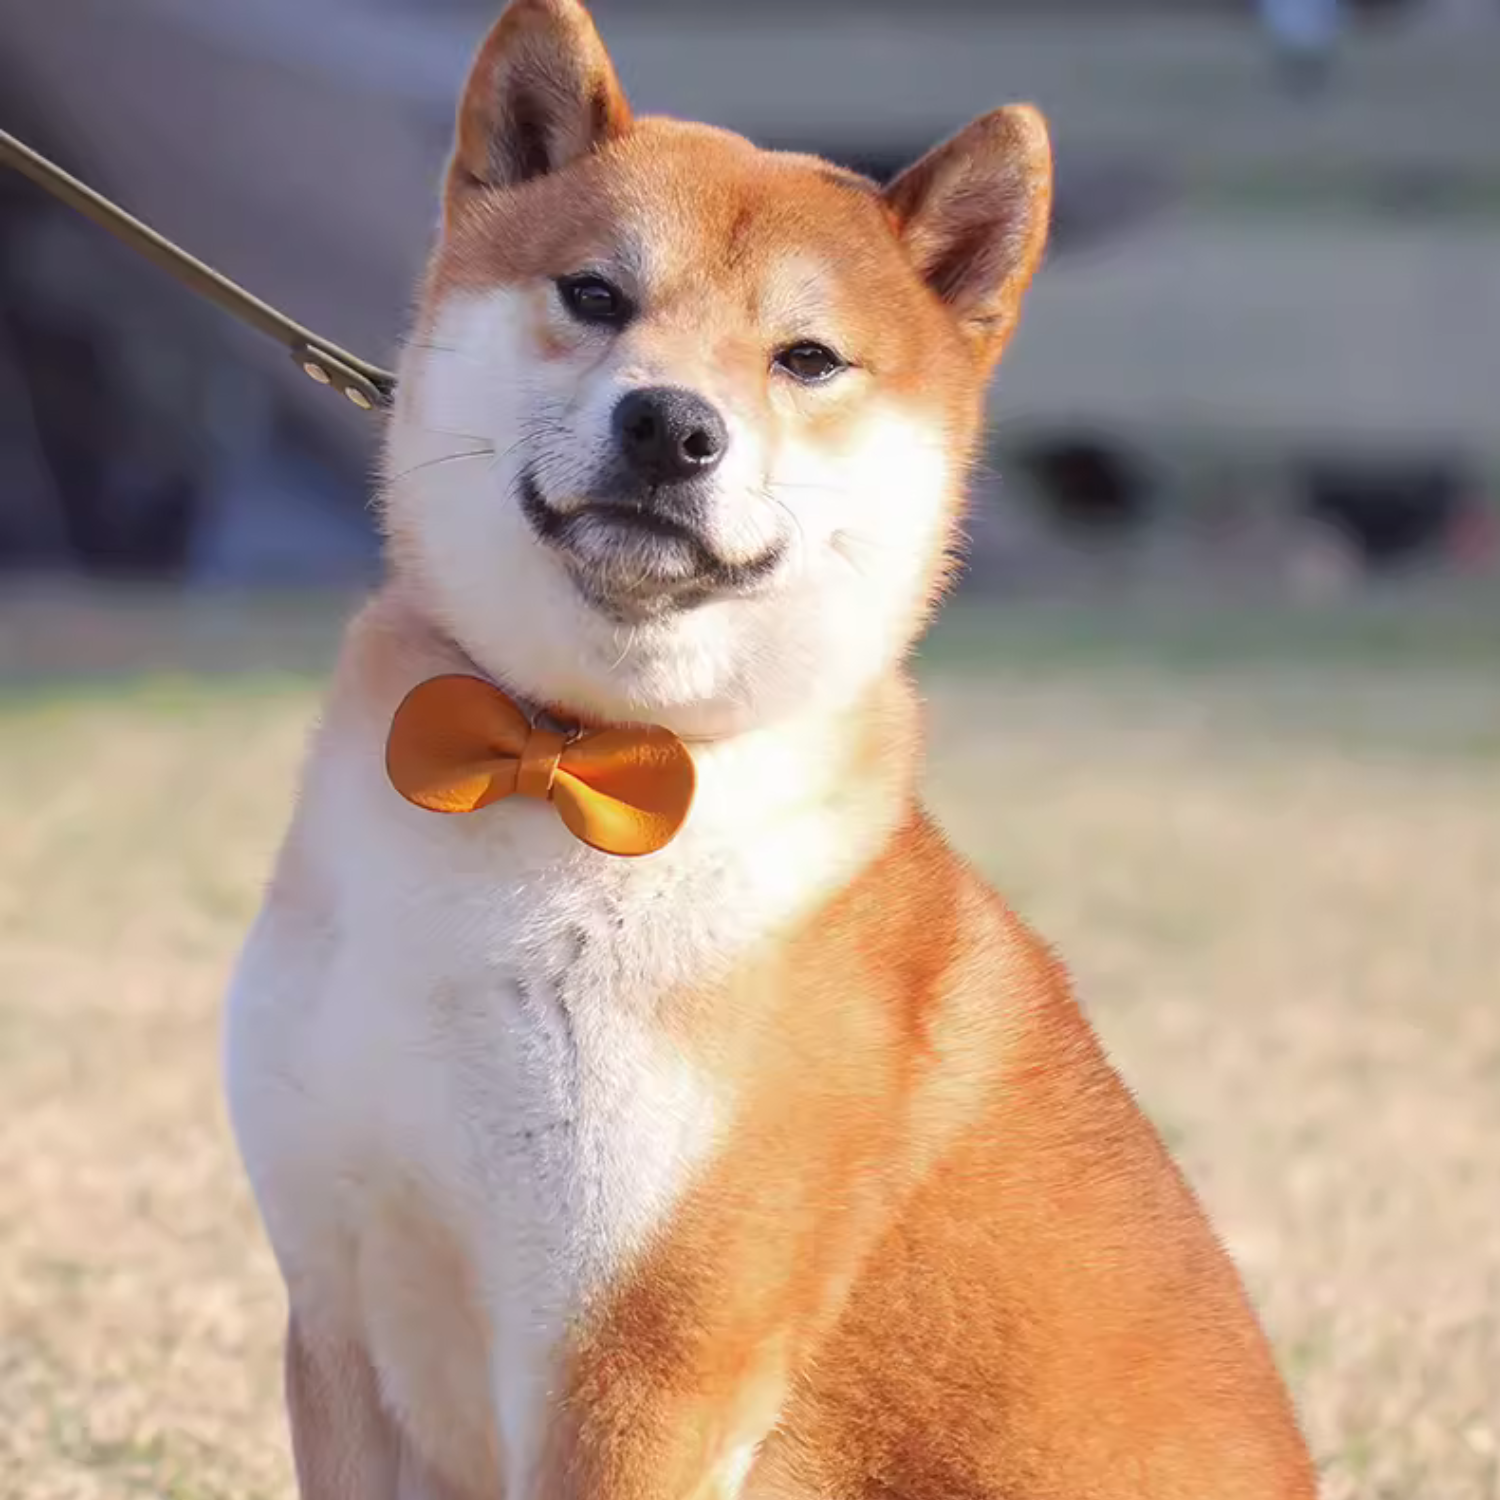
541 93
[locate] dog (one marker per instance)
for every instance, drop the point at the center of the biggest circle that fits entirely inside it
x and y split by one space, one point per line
641 1098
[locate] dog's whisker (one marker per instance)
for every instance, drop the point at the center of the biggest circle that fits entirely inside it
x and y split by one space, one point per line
442 458
800 549
505 453
840 544
456 432
619 661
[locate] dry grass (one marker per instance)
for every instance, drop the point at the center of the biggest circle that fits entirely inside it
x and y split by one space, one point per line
1279 885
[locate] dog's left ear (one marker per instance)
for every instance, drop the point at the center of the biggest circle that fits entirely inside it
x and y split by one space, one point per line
973 214
541 93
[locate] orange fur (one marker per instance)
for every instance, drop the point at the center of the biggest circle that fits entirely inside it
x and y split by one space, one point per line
945 1245
932 1249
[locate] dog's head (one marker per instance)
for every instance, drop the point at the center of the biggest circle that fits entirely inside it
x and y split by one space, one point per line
684 424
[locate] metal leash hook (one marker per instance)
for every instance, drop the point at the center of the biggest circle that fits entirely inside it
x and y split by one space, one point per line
323 368
362 384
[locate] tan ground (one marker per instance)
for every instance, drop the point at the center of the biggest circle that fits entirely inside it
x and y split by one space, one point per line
1278 882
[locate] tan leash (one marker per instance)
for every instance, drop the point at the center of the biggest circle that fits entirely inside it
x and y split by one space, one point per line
365 385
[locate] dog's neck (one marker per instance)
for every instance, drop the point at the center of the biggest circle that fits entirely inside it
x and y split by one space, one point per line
857 760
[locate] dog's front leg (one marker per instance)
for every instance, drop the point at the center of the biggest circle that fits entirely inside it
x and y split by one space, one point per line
345 1443
643 1421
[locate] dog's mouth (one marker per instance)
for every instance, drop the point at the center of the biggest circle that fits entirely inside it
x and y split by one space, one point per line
629 557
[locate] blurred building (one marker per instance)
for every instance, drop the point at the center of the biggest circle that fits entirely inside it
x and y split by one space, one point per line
1259 297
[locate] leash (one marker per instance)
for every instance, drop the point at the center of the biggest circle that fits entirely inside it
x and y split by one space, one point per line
364 385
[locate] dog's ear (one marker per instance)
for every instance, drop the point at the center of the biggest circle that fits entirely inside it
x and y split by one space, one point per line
973 214
541 93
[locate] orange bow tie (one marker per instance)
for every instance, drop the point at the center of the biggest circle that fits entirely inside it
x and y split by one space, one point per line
458 743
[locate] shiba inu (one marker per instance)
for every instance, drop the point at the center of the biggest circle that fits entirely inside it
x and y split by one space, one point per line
641 1097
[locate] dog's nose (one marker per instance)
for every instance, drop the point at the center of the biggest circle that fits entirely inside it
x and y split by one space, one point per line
665 434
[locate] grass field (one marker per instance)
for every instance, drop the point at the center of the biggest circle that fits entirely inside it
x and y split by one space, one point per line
1271 854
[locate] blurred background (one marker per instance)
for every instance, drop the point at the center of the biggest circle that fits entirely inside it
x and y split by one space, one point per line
1263 351
1218 704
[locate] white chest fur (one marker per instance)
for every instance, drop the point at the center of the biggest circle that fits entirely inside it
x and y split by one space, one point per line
448 1073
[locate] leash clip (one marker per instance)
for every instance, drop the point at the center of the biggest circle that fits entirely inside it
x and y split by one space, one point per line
324 368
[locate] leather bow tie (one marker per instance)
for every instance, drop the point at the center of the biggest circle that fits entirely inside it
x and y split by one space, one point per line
458 743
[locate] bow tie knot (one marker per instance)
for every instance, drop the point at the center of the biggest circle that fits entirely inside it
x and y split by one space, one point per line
458 743
538 761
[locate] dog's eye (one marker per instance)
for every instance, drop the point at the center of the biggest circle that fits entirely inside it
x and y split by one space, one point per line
810 363
591 299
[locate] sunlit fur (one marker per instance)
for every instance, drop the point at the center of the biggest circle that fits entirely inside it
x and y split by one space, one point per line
861 519
779 1163
856 481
